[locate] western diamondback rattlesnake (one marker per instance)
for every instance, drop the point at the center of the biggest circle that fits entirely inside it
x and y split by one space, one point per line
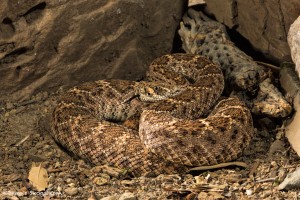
179 89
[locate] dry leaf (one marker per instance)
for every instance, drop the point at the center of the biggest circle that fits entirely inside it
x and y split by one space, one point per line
38 177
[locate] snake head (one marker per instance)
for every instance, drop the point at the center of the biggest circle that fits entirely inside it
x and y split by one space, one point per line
154 91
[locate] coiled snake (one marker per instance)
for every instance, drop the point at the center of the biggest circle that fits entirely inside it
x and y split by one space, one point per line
179 89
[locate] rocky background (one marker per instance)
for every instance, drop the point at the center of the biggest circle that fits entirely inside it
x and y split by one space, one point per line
48 44
265 24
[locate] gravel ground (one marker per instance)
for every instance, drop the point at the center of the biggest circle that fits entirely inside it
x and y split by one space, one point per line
25 139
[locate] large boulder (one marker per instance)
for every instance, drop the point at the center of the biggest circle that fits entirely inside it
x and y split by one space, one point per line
264 24
47 44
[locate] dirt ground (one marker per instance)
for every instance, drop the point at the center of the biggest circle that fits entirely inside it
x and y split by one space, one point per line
25 139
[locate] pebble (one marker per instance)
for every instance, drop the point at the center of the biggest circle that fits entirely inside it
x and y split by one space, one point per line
69 180
71 191
127 182
128 196
59 189
57 164
291 181
71 184
249 192
110 198
100 181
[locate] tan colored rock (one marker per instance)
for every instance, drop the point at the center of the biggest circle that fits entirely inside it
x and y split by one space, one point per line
291 84
264 23
292 129
47 44
294 43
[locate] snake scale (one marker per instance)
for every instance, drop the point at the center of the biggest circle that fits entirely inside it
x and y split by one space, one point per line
175 129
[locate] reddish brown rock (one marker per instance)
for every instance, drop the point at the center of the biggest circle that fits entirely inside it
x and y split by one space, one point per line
47 44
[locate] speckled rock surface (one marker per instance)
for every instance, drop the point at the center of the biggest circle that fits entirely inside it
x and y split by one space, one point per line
47 44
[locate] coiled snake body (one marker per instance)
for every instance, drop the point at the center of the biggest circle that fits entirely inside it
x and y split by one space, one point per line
179 89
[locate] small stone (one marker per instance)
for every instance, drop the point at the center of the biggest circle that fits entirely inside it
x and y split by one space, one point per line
127 182
69 180
274 164
57 165
71 191
291 181
249 192
128 196
110 198
59 189
276 146
71 184
200 180
100 181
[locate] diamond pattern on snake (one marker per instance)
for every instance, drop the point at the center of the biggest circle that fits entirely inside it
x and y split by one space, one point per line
182 123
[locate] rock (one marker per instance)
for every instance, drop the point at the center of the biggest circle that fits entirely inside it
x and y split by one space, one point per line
110 198
224 11
276 146
294 43
292 130
291 181
47 44
289 80
270 101
291 84
264 24
71 191
101 180
128 196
